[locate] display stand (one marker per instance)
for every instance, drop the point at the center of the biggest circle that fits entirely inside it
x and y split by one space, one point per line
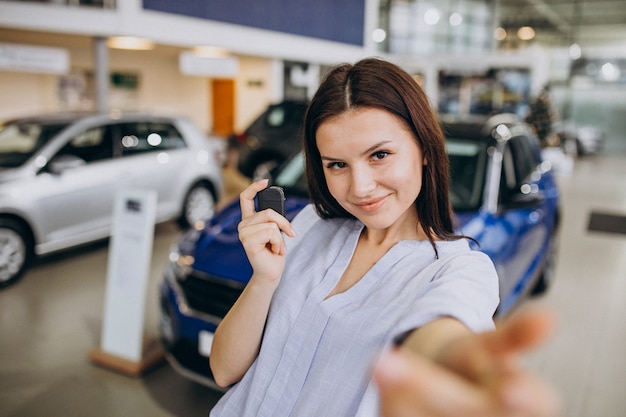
152 354
124 347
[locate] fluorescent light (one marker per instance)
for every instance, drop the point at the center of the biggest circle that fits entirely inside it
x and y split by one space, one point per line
210 51
130 42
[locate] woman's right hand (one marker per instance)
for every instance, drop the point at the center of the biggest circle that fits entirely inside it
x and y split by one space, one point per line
260 234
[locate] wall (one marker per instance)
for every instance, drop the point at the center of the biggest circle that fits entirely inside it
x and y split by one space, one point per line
24 94
161 89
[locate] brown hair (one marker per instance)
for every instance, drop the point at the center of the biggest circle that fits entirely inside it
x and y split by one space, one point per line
375 83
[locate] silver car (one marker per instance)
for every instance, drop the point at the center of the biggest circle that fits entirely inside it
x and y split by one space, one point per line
59 176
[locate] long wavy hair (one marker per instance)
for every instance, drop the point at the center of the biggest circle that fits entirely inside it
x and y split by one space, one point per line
375 83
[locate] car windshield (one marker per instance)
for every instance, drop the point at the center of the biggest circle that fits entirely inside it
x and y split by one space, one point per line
468 160
291 177
19 140
468 164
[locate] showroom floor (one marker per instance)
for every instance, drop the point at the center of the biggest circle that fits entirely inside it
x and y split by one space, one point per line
51 320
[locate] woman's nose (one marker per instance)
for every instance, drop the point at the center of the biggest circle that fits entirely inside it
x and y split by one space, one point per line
362 182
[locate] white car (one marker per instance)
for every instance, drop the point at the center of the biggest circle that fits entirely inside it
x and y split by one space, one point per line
60 174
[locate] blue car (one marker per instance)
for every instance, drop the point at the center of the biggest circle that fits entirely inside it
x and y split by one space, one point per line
503 195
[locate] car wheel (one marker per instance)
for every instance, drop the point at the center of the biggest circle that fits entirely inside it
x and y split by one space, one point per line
547 272
15 251
199 205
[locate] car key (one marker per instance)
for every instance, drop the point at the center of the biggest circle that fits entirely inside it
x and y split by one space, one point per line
272 197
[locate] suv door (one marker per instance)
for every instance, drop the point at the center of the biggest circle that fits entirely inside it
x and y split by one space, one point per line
154 156
521 211
73 205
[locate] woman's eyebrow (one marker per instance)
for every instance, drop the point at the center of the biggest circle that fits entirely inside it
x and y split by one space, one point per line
364 153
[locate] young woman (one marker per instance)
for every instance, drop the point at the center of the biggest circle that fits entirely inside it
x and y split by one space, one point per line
375 305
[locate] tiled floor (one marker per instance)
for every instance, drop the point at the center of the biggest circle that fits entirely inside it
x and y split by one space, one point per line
52 319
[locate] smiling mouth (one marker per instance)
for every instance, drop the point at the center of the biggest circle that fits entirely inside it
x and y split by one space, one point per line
371 205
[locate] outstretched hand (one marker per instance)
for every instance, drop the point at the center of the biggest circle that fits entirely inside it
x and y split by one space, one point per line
477 375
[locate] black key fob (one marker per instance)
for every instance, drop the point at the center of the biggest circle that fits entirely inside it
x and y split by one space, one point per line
272 197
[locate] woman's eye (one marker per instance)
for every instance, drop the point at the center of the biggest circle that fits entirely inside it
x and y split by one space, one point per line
335 165
379 155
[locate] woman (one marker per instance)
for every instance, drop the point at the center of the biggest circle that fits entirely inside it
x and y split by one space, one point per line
375 279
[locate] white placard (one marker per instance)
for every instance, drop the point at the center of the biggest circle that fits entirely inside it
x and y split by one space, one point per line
130 251
205 343
192 64
40 59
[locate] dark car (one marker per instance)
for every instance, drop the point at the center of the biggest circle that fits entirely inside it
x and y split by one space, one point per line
503 195
270 139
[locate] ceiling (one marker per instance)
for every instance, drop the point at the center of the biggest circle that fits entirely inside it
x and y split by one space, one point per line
562 22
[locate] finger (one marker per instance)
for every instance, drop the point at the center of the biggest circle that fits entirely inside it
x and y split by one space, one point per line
282 223
262 236
524 395
522 331
413 386
246 198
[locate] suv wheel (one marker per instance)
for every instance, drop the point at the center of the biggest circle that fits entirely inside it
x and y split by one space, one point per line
199 205
15 251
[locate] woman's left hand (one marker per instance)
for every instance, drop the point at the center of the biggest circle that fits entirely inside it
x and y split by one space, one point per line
477 376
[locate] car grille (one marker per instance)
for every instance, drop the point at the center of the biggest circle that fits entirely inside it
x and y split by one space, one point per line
210 295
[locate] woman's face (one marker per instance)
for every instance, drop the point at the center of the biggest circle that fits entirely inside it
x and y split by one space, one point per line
373 166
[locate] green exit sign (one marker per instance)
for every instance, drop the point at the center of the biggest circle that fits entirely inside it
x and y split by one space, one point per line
126 80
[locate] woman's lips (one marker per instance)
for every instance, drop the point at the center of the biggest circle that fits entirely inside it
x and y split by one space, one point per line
371 205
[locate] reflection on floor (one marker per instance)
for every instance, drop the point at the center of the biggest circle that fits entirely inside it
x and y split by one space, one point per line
52 318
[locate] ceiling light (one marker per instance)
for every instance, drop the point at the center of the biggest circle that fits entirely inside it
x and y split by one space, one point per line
210 51
130 42
379 35
575 51
431 17
499 34
610 72
455 19
526 33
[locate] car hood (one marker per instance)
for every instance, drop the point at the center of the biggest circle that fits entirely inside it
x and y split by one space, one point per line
218 251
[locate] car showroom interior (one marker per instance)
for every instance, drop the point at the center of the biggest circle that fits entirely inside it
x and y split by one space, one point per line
129 128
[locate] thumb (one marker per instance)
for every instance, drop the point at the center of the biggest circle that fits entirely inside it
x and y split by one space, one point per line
522 331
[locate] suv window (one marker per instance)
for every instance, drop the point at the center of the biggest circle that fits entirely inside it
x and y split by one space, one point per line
144 137
93 144
467 159
519 162
20 140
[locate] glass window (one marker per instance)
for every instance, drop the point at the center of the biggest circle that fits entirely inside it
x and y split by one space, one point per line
145 137
467 173
20 140
92 145
519 162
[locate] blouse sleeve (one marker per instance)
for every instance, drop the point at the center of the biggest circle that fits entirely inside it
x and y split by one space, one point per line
462 286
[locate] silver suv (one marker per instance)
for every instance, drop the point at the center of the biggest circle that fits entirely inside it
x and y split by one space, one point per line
59 175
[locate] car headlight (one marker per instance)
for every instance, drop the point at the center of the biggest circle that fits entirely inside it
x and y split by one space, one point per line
180 265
